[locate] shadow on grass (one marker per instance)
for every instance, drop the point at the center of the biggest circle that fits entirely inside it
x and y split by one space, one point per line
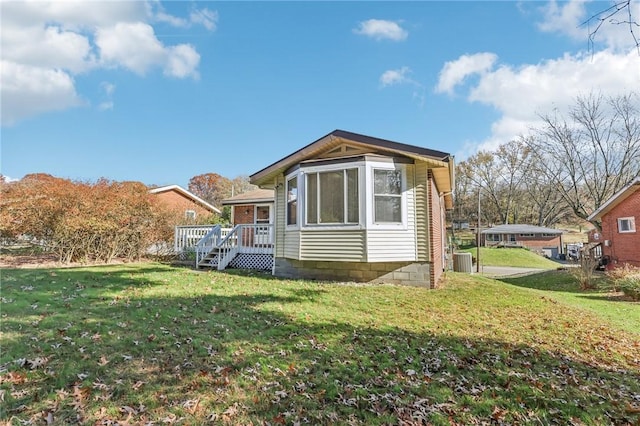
610 297
264 350
556 280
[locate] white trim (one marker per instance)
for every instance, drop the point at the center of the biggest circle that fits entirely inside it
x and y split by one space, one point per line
370 197
287 178
612 202
632 224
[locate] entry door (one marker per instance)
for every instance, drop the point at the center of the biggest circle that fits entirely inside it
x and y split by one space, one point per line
263 217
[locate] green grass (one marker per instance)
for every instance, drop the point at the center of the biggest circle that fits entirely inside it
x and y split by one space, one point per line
149 343
562 287
515 257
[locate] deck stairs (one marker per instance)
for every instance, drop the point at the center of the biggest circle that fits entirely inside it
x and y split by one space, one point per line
246 246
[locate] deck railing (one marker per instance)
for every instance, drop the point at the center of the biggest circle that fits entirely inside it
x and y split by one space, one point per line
246 238
186 237
211 240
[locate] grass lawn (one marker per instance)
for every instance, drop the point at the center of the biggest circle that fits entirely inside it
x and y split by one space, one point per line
561 286
152 344
516 257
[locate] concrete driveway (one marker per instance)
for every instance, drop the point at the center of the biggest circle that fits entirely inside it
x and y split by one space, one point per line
507 271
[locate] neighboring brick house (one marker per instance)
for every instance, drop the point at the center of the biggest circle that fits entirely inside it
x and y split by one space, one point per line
188 207
359 208
546 241
619 238
251 207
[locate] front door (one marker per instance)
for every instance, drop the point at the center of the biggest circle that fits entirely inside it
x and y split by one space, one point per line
263 217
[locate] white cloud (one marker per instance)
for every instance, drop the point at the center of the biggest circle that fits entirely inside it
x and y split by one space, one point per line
565 18
380 29
29 90
574 20
521 93
105 106
205 17
131 45
455 72
52 42
391 77
401 76
108 88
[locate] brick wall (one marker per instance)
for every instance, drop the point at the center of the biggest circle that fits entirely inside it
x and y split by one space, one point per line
436 229
179 204
243 214
624 247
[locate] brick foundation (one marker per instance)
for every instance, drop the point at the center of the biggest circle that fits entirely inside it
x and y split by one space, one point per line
404 273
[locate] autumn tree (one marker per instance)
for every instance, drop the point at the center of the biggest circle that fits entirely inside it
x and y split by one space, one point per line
211 187
241 184
80 221
592 153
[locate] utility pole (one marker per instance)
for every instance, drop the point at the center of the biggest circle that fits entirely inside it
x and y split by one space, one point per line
478 241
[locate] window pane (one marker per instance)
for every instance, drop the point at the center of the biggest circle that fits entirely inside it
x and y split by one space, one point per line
353 202
626 224
262 214
312 198
387 182
292 201
388 209
332 197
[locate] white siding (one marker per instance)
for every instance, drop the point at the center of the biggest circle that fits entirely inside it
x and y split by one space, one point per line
400 244
292 244
336 245
279 216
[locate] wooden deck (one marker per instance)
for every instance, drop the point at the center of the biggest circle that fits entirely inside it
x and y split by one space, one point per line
245 246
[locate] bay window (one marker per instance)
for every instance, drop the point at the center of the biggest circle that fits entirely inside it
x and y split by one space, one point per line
292 201
332 197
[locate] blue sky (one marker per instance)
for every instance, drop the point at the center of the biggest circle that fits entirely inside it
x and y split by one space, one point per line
159 92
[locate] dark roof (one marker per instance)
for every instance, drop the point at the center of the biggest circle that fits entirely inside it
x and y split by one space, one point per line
369 140
521 229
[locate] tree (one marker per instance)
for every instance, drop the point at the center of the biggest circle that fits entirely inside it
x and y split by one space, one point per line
241 184
499 175
619 13
81 221
592 154
211 187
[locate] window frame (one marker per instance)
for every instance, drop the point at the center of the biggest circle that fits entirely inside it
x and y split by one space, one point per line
631 220
318 196
287 201
370 196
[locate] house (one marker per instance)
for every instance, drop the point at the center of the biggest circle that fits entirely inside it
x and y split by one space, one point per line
359 208
255 206
618 240
188 207
546 241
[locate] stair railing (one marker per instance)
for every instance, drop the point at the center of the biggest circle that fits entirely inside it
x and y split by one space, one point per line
208 243
229 247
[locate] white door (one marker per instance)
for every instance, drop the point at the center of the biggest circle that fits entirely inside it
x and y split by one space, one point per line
262 216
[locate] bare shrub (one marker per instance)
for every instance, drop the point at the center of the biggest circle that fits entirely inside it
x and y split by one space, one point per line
626 278
585 272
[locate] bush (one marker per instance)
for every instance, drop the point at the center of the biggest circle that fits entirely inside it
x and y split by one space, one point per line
84 222
627 280
585 272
